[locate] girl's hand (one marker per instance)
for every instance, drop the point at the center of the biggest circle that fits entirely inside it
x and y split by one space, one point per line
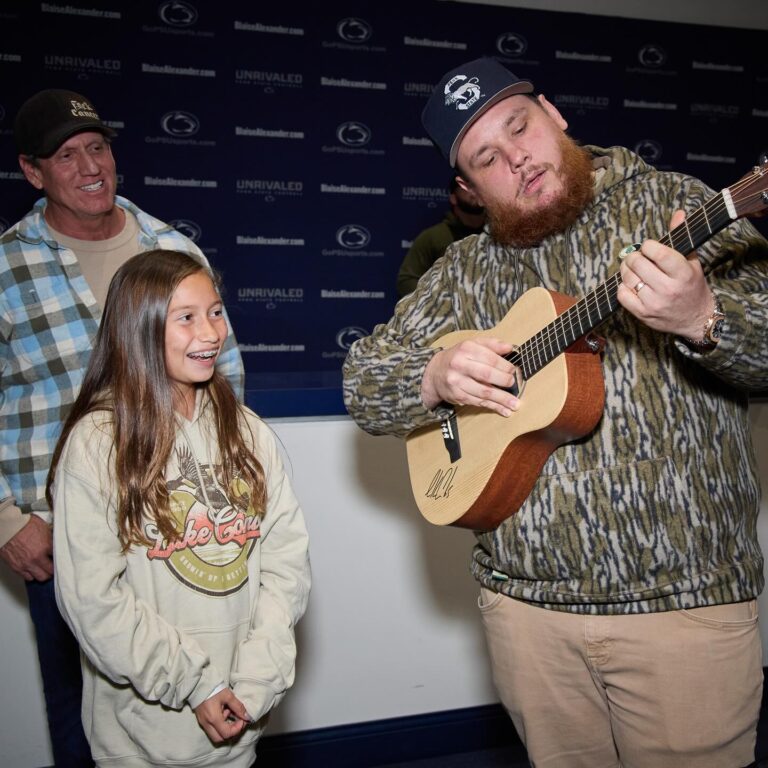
223 716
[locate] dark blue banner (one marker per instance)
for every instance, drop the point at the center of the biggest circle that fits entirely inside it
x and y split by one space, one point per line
287 142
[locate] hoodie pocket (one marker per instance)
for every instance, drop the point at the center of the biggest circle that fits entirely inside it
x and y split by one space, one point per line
165 735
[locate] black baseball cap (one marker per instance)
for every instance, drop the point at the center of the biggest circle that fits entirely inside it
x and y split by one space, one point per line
464 94
47 119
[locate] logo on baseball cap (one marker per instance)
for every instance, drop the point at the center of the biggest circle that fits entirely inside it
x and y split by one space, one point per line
462 96
50 117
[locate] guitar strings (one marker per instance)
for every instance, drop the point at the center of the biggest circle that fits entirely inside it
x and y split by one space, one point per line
540 349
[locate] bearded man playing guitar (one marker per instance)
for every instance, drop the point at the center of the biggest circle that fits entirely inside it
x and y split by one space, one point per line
612 486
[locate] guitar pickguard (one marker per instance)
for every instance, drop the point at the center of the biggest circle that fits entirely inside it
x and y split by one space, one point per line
450 430
518 385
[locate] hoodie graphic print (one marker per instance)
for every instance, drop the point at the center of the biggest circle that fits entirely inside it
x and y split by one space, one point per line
215 537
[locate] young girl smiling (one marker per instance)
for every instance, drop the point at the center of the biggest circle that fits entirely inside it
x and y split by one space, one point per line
180 550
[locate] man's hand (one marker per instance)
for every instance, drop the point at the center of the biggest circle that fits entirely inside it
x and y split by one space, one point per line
665 290
222 716
471 373
30 551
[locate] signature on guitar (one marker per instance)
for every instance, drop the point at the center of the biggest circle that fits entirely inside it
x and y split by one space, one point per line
442 483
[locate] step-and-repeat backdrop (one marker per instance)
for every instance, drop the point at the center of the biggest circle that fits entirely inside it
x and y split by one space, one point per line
287 142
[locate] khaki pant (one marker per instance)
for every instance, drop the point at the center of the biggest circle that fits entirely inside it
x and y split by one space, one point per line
680 689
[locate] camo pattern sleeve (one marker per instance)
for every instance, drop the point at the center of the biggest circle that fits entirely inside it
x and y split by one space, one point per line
383 371
735 265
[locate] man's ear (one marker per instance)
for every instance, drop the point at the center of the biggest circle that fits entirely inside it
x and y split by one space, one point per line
552 111
31 172
467 187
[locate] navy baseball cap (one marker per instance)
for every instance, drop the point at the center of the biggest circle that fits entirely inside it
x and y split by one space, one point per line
47 119
462 96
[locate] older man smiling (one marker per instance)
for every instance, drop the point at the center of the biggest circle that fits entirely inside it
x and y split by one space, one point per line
55 267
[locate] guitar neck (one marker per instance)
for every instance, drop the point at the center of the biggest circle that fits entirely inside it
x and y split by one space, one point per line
532 355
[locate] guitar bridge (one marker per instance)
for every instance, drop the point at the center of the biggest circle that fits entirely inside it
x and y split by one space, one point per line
450 430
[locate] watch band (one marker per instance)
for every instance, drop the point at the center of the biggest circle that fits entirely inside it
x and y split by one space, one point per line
713 328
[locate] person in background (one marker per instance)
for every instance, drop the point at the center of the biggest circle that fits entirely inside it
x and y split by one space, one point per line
620 600
55 266
181 552
465 218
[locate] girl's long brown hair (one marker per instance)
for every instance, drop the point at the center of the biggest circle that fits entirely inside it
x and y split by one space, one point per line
126 376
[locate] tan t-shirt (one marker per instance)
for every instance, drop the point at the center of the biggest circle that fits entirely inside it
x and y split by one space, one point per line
100 259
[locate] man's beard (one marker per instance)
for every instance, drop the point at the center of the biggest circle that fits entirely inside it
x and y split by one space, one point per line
511 225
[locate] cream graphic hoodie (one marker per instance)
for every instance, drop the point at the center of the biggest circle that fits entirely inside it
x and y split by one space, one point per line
163 625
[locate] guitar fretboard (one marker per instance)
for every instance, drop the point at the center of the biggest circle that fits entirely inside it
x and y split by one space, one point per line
532 355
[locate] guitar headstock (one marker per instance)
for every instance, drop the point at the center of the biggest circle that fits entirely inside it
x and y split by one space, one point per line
750 193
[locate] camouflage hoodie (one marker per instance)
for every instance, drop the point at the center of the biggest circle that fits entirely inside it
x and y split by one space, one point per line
656 509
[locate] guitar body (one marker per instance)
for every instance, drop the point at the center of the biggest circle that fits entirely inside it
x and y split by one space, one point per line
501 458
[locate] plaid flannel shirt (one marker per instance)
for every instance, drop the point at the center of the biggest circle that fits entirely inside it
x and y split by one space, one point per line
48 322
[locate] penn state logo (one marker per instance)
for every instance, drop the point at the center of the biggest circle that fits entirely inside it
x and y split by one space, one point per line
353 134
353 30
180 123
649 150
177 13
353 236
511 44
462 91
652 56
346 337
188 228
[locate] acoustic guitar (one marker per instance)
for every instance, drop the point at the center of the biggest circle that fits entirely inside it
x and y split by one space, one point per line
476 468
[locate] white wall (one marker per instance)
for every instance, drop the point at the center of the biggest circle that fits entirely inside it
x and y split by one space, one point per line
748 14
390 630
